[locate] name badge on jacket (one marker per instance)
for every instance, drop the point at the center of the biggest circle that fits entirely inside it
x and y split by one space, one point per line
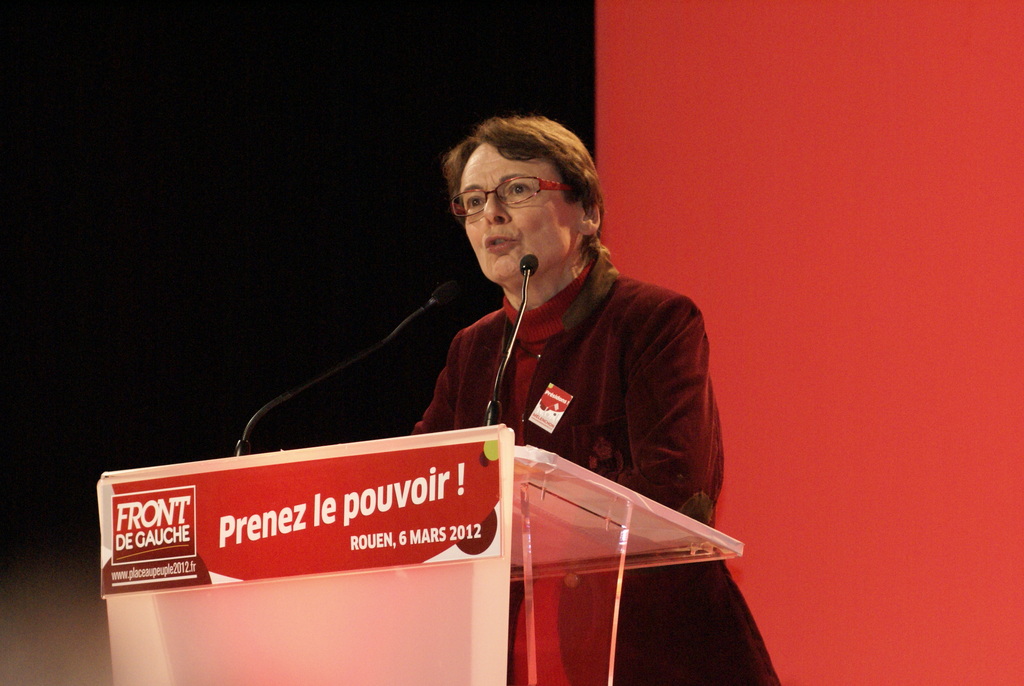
551 407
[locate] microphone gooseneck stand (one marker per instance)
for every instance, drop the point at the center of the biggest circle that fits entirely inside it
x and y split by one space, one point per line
527 266
441 296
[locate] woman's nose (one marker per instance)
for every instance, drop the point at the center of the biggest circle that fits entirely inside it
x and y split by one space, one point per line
495 210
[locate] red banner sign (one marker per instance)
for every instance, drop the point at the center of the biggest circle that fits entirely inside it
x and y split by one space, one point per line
303 517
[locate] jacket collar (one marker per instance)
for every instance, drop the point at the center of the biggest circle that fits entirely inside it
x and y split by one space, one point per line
595 290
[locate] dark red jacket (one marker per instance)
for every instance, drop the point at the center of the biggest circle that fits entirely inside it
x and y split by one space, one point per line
634 358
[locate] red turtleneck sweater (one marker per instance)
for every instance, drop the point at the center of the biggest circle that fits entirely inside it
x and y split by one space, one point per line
538 325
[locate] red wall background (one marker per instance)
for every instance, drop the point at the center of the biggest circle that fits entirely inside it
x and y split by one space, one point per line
839 186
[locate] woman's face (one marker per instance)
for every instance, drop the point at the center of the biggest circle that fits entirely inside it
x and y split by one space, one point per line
546 226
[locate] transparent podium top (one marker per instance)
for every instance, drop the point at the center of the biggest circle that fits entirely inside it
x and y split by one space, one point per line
575 520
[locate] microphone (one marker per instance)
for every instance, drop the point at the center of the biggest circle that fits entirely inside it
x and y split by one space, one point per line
527 266
442 295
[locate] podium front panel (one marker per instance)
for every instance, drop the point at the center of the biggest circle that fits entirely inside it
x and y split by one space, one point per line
408 599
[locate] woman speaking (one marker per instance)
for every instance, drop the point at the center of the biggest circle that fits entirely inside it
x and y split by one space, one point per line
627 363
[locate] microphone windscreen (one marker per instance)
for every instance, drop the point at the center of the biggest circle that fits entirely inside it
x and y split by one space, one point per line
528 264
445 293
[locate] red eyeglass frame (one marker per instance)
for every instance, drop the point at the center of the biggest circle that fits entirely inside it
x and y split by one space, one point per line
545 185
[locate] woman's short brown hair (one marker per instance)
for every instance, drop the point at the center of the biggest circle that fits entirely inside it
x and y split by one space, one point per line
535 137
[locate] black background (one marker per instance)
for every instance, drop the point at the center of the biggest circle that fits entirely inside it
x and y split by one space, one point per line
205 206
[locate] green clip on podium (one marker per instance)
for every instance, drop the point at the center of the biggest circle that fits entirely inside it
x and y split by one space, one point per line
377 563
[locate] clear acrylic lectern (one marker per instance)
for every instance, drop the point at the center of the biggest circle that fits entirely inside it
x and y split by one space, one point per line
384 562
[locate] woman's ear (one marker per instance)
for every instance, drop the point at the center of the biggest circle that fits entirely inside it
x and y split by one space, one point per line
591 221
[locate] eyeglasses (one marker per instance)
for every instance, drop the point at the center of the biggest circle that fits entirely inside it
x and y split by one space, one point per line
510 192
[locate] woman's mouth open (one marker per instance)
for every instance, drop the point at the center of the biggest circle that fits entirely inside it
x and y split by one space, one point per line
499 244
